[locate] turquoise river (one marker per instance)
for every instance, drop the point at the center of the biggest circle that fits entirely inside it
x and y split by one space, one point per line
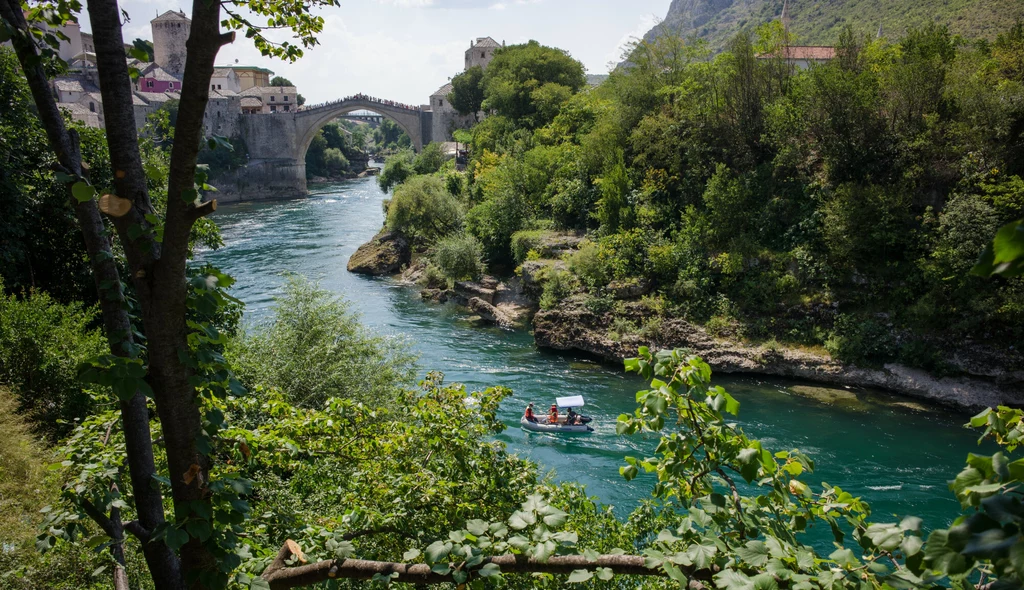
898 459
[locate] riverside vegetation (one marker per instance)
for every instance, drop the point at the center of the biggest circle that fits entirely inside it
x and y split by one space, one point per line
836 210
189 453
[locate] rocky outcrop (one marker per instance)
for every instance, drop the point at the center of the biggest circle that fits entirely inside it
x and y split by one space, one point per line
385 254
472 290
571 326
490 313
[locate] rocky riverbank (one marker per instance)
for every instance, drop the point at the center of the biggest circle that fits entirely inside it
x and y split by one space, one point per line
571 325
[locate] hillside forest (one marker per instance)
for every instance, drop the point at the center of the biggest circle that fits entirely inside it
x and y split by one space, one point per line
838 208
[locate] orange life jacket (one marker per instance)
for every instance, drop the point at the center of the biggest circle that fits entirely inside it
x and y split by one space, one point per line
529 414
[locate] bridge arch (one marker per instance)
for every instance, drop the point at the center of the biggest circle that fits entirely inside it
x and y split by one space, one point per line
277 143
311 120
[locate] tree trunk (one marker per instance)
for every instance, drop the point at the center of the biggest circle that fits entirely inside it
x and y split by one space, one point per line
162 563
158 269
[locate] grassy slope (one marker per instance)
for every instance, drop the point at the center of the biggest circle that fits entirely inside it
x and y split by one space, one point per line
819 22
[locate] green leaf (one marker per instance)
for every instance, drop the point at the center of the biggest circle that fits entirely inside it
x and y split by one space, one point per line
437 550
911 545
411 554
344 550
556 519
82 191
604 573
175 538
591 555
477 527
754 553
579 576
489 570
702 554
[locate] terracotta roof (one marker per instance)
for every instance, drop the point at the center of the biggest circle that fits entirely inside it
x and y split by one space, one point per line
251 101
171 15
486 42
444 90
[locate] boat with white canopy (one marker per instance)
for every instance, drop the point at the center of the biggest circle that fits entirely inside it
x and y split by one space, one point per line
580 423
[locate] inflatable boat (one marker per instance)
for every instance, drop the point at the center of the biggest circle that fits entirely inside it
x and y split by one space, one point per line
542 424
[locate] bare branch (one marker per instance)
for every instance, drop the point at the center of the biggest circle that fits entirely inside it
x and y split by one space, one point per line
281 577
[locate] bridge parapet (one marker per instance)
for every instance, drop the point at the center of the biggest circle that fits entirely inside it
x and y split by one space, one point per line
363 98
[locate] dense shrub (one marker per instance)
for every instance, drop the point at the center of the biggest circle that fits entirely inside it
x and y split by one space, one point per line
557 285
430 159
459 257
314 348
590 264
42 343
397 169
424 210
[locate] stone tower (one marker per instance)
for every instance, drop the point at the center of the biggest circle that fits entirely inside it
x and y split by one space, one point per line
170 32
481 52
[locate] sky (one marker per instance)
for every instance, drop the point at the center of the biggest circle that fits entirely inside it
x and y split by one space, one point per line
404 50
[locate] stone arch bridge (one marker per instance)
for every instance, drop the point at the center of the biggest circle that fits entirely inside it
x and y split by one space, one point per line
277 143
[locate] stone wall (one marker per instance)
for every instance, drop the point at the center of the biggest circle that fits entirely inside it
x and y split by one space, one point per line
261 180
169 37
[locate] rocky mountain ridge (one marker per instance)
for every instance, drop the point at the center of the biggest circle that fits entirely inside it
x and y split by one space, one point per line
819 22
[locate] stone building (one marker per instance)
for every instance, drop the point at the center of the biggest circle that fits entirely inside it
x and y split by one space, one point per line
272 99
481 52
153 78
225 78
444 118
170 33
251 76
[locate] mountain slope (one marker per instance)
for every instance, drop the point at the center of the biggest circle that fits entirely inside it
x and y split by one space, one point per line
819 22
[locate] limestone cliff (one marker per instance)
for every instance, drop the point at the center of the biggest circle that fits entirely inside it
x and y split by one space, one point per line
819 22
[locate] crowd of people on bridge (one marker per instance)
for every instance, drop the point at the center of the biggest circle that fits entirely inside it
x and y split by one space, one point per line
390 103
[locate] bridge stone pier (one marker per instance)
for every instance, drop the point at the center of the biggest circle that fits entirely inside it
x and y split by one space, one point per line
277 144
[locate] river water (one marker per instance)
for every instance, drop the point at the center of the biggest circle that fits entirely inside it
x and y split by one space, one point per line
898 459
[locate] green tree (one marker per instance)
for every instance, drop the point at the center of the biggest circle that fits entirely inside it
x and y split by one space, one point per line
521 78
313 348
430 159
459 257
397 169
156 246
467 95
423 209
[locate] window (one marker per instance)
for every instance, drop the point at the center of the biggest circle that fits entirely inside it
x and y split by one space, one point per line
92 107
273 108
286 98
149 83
482 55
218 86
271 99
286 108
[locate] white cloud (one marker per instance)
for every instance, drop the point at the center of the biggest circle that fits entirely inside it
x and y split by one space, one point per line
646 24
405 49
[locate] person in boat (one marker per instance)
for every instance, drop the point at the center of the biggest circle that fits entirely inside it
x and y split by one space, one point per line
530 416
571 417
553 414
